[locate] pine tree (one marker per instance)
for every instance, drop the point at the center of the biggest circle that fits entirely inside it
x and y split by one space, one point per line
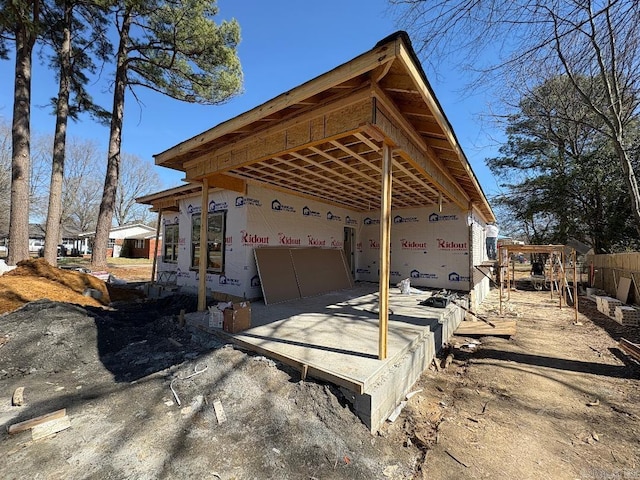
175 49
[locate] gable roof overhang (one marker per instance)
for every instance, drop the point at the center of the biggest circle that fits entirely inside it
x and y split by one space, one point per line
323 140
169 200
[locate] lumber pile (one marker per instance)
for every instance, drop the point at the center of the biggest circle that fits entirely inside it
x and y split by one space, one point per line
631 349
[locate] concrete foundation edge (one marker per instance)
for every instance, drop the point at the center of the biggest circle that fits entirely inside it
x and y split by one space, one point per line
376 404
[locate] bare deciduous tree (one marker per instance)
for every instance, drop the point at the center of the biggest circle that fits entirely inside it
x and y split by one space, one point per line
137 178
81 191
521 43
39 175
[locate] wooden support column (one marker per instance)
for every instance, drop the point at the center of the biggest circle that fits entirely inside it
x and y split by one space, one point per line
574 258
501 279
202 261
155 248
385 250
561 289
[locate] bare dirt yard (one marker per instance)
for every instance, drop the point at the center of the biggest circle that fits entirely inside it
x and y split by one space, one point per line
143 399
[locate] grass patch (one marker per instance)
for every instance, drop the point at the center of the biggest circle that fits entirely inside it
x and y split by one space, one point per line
115 262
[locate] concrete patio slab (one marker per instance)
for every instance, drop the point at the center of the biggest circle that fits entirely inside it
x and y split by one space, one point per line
334 337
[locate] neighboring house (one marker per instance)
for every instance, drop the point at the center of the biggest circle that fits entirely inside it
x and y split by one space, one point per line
37 238
130 241
310 168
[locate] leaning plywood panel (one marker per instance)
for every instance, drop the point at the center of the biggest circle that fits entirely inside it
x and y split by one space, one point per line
277 275
622 293
320 270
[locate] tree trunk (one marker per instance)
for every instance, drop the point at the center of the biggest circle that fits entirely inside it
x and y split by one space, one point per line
54 214
21 152
631 181
105 215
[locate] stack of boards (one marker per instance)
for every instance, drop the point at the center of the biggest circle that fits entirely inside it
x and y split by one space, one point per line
292 273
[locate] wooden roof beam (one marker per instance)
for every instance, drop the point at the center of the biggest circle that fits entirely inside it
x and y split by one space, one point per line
228 182
320 180
337 118
352 69
348 181
412 139
413 110
377 148
419 160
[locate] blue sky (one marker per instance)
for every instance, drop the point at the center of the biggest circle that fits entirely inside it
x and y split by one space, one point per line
284 43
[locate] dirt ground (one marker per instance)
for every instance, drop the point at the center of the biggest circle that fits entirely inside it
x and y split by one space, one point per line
557 401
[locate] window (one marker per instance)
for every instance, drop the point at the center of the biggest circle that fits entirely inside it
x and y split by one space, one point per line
170 241
138 244
111 243
215 241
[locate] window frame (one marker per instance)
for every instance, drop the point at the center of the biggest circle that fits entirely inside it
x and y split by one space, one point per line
216 242
173 244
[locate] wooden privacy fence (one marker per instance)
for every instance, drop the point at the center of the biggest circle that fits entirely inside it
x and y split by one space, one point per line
607 270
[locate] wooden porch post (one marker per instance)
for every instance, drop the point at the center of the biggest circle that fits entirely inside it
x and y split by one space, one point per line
385 250
203 259
574 258
155 248
501 279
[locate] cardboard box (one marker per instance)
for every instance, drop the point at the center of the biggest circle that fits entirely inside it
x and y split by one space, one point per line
237 318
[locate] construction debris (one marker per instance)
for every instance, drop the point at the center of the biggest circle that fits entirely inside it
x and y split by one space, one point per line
17 400
195 372
447 360
51 427
396 413
28 424
456 459
220 415
631 349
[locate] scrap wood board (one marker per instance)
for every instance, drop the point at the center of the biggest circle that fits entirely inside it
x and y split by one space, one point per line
49 428
33 422
622 293
503 328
